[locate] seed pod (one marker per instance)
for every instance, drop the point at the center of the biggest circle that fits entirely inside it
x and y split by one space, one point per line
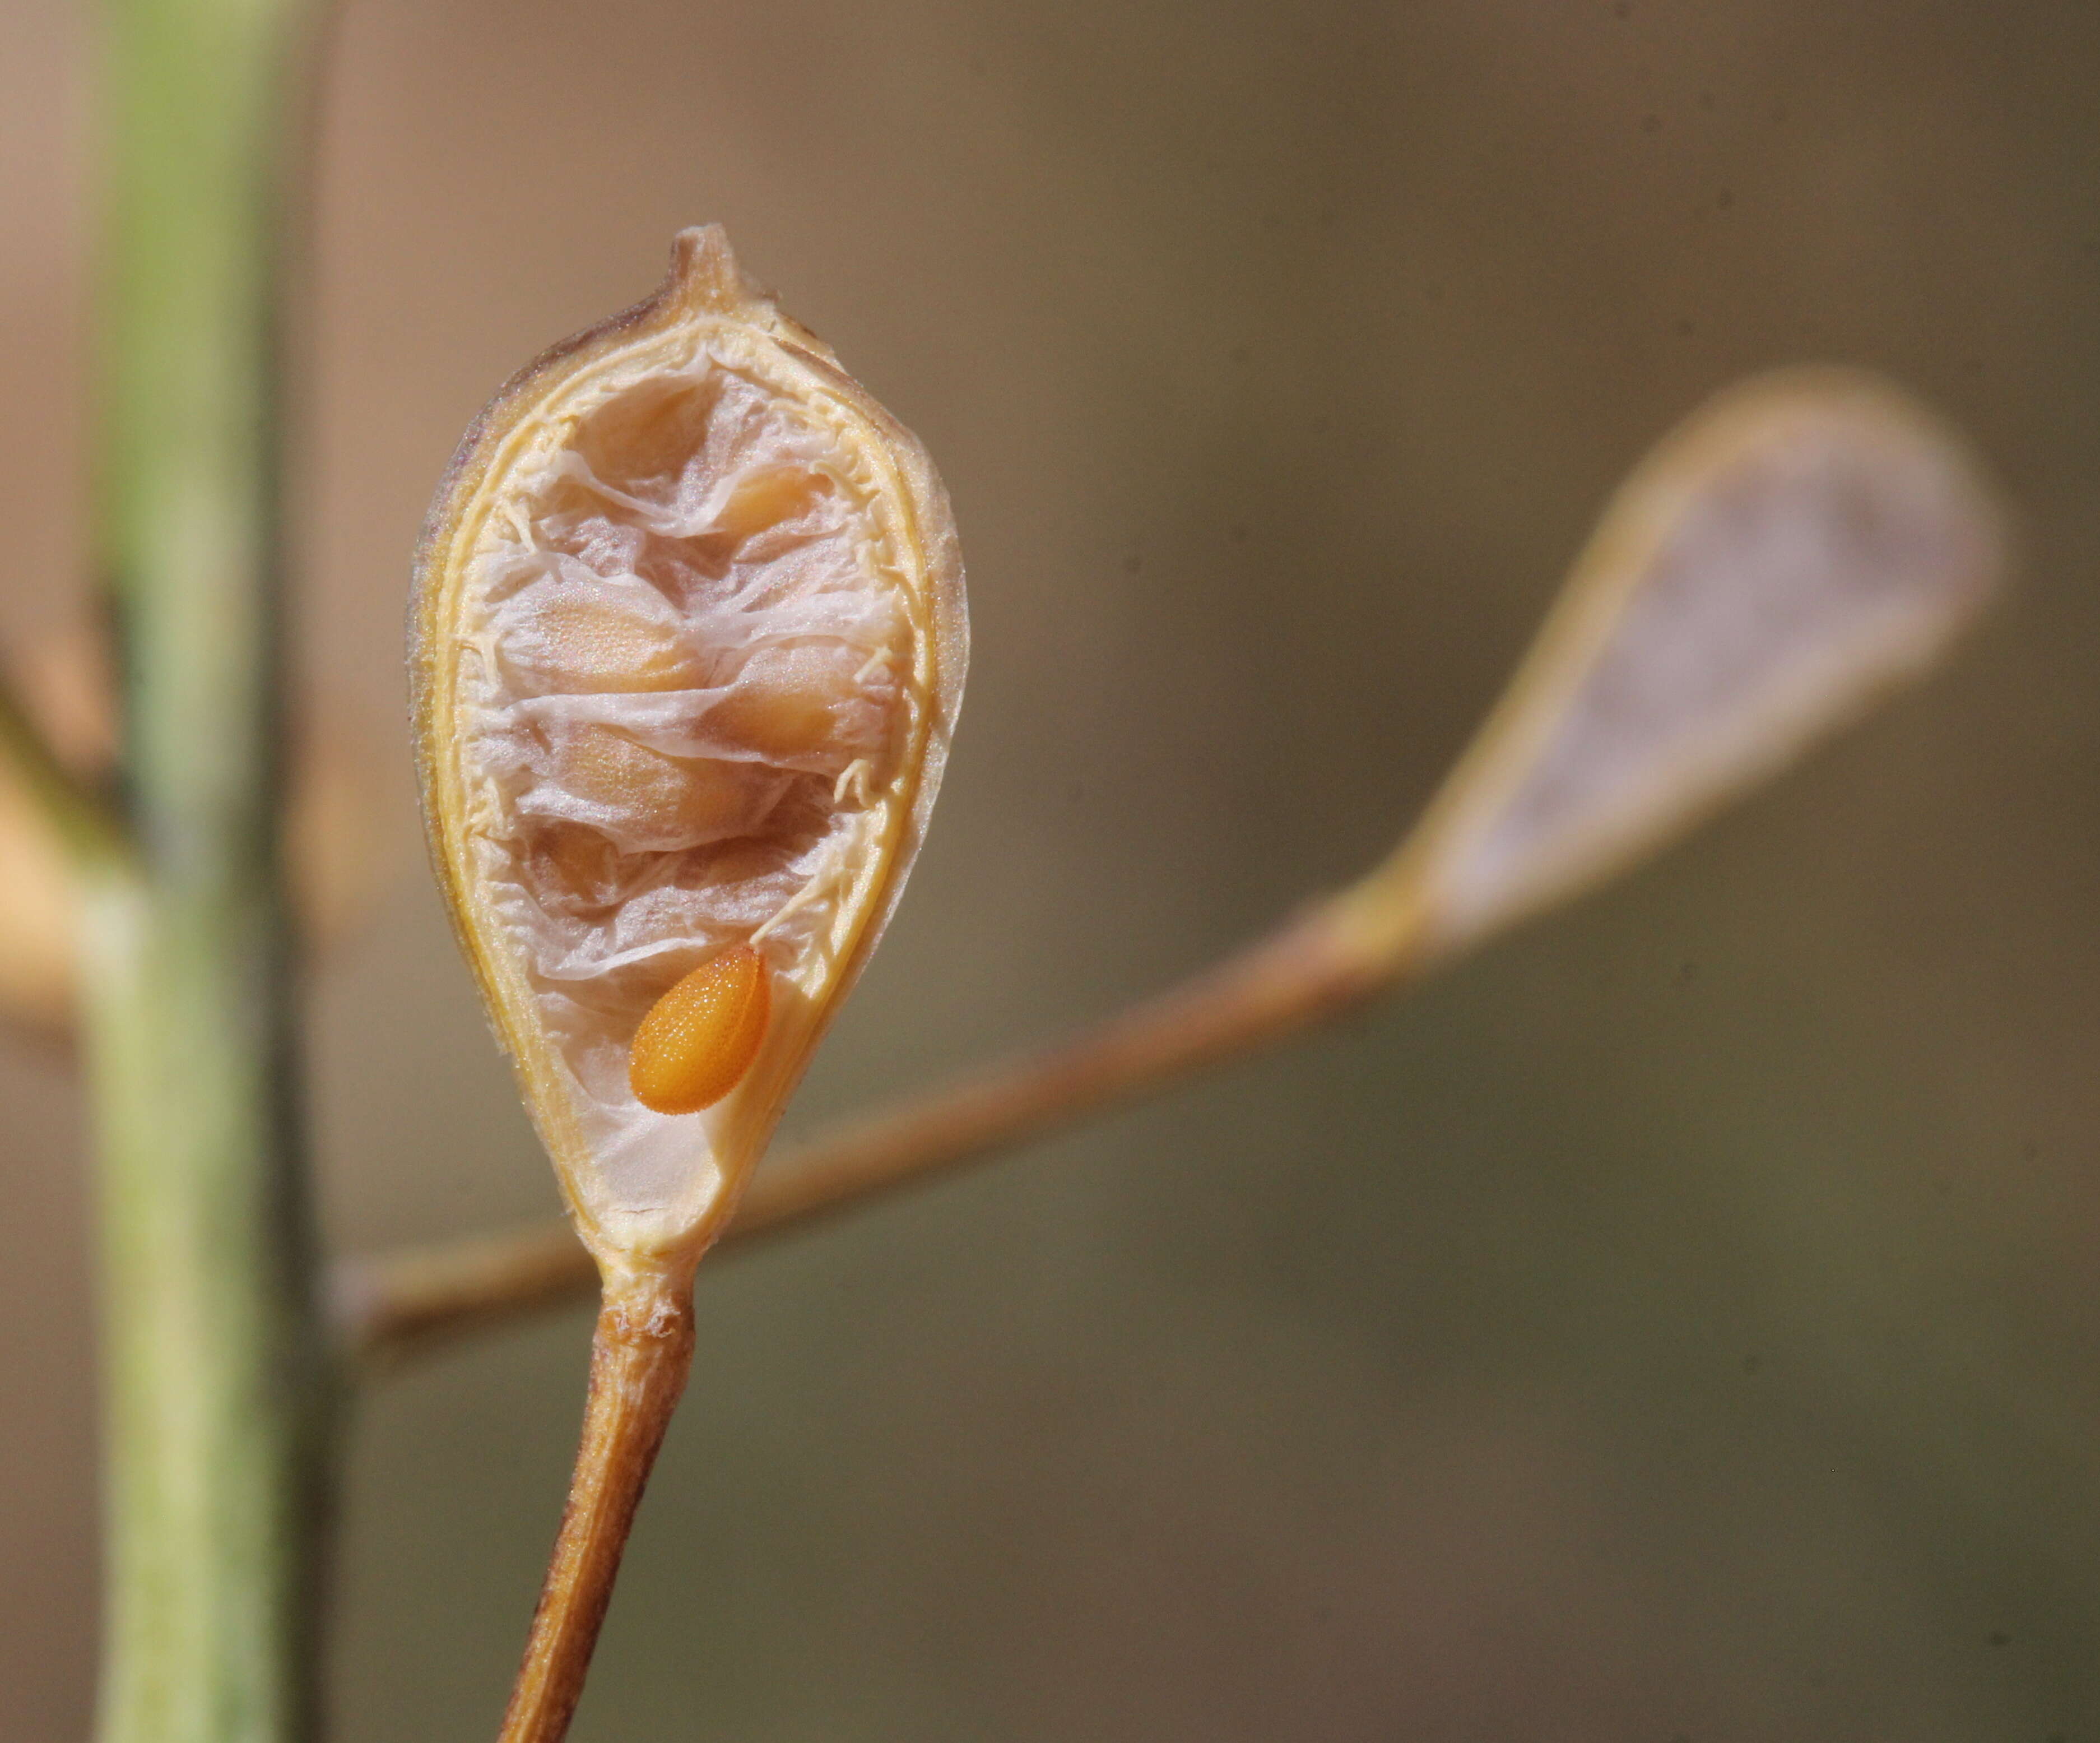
1804 542
687 642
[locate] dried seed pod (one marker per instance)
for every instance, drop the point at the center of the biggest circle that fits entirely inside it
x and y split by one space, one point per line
688 641
1804 542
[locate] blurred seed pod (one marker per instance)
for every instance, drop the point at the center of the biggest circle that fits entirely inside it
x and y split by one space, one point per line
1805 542
338 858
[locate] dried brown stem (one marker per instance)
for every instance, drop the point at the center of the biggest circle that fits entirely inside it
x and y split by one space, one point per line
639 1359
1312 968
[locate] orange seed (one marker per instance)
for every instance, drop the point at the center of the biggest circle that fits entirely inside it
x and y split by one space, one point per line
699 1038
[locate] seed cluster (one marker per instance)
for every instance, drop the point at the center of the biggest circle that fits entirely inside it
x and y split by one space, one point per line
694 694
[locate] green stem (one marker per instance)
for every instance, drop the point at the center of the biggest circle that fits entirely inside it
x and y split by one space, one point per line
218 1379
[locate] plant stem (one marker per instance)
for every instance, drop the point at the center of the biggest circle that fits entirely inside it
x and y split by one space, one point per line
1309 971
640 1356
217 1376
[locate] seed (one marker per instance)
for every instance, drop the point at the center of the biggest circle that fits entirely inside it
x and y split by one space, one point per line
783 705
767 498
689 798
587 644
646 434
699 1038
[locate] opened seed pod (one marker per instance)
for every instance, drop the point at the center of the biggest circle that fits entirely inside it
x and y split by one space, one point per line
687 642
688 638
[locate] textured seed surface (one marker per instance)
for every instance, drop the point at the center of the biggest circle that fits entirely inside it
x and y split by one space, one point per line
579 642
699 1038
787 701
672 800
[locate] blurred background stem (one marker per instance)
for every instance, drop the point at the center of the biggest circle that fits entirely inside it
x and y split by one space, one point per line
216 1380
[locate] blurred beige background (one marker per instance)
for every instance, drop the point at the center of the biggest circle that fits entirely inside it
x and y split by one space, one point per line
1680 1326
